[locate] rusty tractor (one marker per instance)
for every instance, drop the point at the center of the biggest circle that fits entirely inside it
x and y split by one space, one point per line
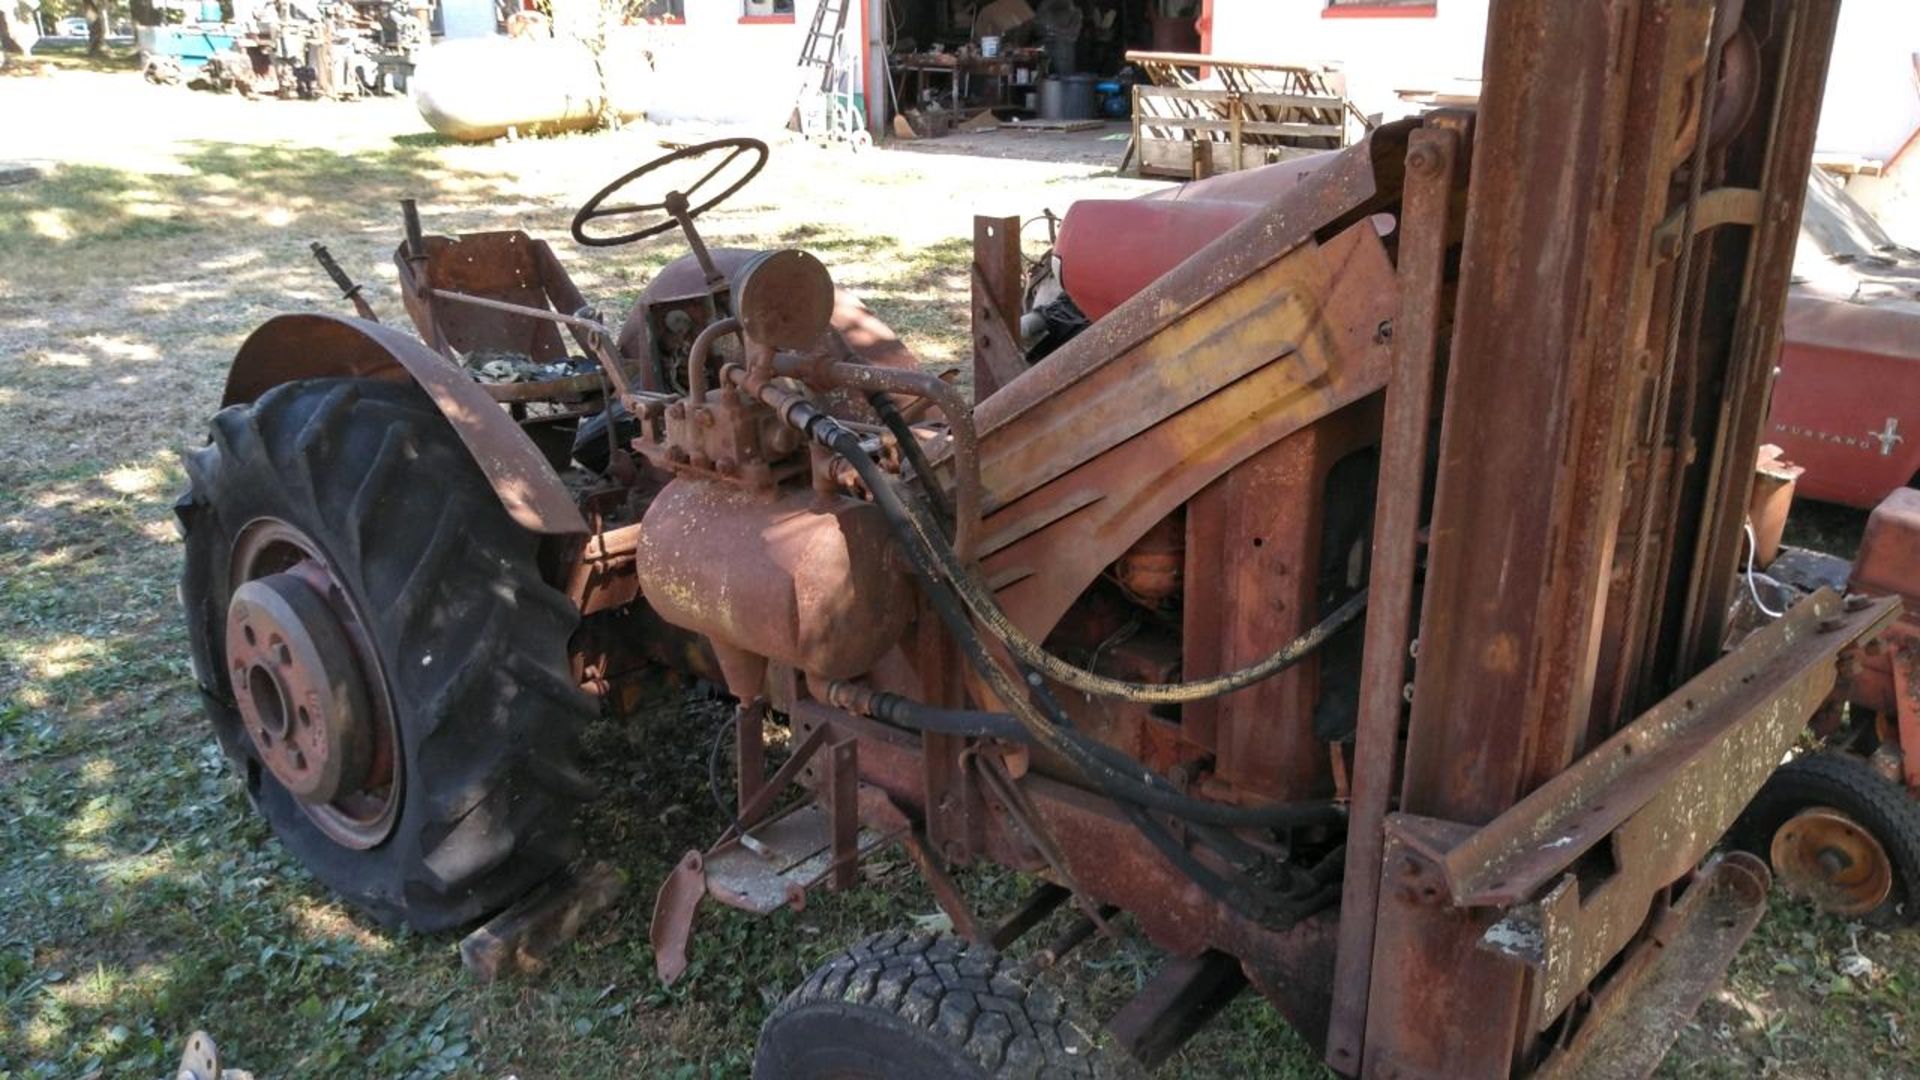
1346 605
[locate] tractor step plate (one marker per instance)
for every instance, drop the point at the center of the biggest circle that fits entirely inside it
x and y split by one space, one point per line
798 854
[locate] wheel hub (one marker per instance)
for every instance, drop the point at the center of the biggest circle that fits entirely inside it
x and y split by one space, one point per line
1828 857
299 688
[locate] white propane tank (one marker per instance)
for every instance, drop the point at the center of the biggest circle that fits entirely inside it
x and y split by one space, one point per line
475 90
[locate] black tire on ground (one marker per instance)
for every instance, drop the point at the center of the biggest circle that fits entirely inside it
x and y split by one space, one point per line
927 1007
1846 783
472 640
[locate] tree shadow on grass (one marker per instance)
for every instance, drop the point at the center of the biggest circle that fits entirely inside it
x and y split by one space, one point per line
77 211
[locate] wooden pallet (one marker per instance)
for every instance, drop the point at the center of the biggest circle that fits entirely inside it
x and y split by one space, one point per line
1241 115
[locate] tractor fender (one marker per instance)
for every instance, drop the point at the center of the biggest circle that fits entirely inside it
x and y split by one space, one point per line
314 345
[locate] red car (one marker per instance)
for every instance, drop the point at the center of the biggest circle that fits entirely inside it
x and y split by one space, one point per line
1847 404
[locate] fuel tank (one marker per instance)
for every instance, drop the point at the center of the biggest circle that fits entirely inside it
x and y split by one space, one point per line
478 89
806 580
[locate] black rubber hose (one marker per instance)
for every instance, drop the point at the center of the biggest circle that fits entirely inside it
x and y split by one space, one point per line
978 597
1133 782
1247 901
919 716
916 456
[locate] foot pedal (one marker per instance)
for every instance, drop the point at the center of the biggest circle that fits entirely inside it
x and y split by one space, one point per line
798 848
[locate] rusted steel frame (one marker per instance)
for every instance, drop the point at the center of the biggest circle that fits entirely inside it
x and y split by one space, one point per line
749 749
1639 1013
1112 864
1550 313
1253 556
1434 155
1652 800
1015 807
1335 196
1662 487
1663 478
840 791
1176 1003
1675 759
755 808
309 346
946 891
1806 45
1538 418
1045 899
593 336
1286 349
997 278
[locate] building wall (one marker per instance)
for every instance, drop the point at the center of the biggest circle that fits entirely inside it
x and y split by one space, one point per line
715 68
1378 55
1871 107
1873 97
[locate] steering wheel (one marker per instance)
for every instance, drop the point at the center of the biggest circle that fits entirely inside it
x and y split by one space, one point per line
676 205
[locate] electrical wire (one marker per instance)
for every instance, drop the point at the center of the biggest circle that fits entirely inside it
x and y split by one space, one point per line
1753 588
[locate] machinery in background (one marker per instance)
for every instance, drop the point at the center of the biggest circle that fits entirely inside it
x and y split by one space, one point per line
291 48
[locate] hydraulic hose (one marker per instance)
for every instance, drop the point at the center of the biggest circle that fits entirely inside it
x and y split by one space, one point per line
1131 782
916 456
979 599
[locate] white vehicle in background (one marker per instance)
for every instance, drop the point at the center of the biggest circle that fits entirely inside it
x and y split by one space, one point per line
73 26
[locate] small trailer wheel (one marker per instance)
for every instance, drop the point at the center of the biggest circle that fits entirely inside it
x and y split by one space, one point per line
929 1007
1839 834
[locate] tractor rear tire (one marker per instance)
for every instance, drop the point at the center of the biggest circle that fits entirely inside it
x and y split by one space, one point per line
1829 821
456 638
929 1007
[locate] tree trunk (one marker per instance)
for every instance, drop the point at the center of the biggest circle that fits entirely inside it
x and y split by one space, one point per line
96 15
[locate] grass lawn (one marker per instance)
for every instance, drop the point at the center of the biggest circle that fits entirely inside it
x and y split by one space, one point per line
139 896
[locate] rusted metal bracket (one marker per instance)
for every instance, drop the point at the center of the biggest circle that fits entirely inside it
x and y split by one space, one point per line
1434 167
521 938
1042 902
1031 825
946 891
819 841
996 298
1638 1015
1905 660
1713 741
1721 206
1180 999
1648 804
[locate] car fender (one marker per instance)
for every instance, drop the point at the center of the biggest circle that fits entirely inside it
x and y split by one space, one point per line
314 346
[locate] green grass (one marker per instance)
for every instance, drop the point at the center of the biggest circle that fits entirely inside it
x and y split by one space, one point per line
73 56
